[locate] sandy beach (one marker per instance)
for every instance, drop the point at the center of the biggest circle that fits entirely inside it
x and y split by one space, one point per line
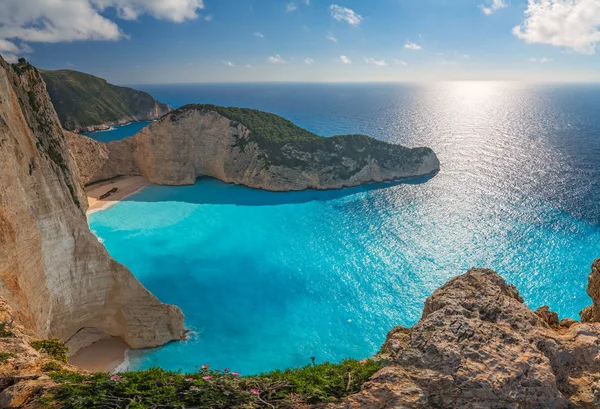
108 354
102 356
126 186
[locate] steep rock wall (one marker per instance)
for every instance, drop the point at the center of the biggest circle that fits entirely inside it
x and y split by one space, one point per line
58 278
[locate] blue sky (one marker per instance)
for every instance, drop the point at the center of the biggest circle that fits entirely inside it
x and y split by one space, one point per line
175 41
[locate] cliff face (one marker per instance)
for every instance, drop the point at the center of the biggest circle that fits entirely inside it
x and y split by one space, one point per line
201 140
478 346
91 155
86 103
55 274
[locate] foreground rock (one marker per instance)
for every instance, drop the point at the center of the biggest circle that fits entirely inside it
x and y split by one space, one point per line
22 380
478 346
58 278
255 149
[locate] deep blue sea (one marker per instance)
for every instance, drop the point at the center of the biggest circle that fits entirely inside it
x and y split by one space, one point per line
267 280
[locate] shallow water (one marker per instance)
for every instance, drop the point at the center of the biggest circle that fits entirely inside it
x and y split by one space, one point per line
116 133
267 280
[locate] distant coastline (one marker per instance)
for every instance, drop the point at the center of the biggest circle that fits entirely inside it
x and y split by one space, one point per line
110 126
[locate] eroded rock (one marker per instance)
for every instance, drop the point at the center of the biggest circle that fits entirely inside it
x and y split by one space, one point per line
478 345
196 141
53 271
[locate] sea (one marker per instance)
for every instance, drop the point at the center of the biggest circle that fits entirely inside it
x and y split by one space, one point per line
268 280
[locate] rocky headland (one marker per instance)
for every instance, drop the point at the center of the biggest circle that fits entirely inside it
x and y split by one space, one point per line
59 280
478 345
86 103
250 148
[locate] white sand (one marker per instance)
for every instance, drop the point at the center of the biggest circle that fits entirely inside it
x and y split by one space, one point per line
126 187
102 356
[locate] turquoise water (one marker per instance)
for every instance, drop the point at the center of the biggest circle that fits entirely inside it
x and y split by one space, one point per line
267 280
118 132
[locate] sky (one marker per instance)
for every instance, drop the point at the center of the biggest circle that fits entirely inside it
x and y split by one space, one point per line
196 41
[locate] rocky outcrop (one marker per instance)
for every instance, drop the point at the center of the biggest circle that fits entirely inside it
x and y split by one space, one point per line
86 103
91 155
257 150
22 379
58 278
592 313
478 345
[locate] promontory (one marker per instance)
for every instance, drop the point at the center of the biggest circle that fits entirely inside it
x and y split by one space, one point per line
251 148
85 102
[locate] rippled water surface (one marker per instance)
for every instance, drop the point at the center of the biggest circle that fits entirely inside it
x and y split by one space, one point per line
267 280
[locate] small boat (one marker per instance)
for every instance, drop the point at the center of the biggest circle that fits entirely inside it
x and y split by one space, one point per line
110 192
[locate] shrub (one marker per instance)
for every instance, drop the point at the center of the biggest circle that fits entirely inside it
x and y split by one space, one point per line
5 356
52 366
53 347
208 388
5 330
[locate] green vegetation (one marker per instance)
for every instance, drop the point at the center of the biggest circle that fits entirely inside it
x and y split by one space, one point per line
5 356
5 330
271 132
263 125
52 366
157 388
83 100
53 347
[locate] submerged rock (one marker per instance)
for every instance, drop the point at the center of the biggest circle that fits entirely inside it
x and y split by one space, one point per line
478 345
258 150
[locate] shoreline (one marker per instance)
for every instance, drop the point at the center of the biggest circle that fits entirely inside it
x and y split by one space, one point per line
127 186
109 126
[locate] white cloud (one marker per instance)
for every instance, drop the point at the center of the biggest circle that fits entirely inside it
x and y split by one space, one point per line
276 59
542 60
409 45
9 50
373 61
562 23
345 59
229 63
293 5
174 10
400 62
340 13
249 66
259 35
308 61
493 6
331 37
53 21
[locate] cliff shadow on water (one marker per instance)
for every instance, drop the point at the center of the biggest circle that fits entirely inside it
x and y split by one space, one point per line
210 191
